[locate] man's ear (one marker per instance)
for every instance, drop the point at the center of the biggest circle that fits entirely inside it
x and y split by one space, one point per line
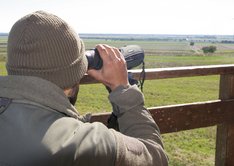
70 91
67 91
75 90
72 94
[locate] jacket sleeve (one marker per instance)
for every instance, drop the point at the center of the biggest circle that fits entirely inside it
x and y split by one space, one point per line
139 141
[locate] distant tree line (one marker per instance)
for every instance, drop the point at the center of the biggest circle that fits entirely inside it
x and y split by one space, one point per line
227 41
3 34
132 39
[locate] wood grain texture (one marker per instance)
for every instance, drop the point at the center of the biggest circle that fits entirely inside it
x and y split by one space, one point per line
175 72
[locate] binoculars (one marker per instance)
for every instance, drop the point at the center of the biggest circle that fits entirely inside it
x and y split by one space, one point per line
133 54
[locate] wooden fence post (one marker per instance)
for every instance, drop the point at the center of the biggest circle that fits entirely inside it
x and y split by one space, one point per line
225 132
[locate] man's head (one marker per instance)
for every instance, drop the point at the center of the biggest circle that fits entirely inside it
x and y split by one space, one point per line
43 45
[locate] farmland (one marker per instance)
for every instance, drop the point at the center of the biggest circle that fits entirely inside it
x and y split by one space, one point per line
194 147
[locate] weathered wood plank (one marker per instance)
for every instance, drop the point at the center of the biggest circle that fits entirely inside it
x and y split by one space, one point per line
174 72
225 132
186 116
221 146
191 116
230 145
100 117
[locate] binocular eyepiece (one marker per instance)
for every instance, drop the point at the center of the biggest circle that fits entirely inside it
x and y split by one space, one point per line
133 54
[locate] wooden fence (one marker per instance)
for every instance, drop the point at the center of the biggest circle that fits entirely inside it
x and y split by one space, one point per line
175 118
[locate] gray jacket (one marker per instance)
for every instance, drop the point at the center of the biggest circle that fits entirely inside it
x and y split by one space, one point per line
39 126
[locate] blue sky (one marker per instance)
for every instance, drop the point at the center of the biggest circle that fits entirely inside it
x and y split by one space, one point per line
210 17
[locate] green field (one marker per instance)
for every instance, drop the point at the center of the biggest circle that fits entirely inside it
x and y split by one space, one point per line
187 148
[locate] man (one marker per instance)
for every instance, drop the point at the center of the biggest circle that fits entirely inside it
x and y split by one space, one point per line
38 123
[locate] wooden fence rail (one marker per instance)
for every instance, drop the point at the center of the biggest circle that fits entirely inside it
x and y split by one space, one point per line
175 118
175 72
186 116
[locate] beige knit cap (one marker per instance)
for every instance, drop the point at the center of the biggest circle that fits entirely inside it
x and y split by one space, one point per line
43 45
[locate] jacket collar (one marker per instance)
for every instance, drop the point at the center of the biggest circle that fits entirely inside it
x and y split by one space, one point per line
39 91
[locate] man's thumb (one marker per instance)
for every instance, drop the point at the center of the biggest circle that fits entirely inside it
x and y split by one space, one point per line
96 74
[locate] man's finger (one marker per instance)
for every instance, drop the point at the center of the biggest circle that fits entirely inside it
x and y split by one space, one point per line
112 53
119 54
103 52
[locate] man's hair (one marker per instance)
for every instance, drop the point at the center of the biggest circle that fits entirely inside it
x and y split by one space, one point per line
43 45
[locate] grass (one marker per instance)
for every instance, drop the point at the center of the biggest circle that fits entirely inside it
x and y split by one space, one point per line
192 60
191 148
3 39
187 148
157 93
180 90
2 68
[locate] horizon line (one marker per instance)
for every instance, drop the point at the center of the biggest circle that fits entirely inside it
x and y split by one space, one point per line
155 34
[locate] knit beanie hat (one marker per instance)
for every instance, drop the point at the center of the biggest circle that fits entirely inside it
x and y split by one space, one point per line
43 45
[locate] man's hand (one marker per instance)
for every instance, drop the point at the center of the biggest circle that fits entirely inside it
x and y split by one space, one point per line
114 71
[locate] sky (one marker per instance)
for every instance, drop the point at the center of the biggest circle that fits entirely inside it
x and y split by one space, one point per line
206 17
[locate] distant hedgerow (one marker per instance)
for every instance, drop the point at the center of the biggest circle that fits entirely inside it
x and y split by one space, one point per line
209 49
